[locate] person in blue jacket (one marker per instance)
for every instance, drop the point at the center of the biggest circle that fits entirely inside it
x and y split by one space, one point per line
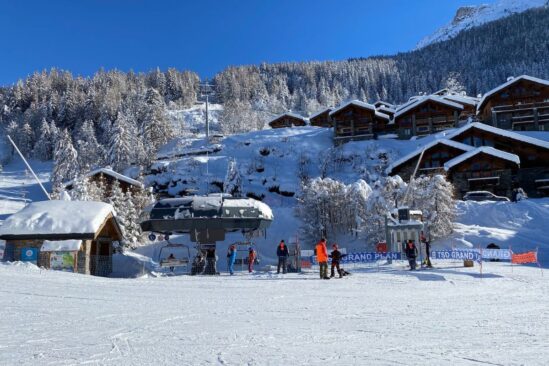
232 258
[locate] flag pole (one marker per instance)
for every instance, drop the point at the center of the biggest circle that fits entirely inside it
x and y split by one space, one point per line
537 261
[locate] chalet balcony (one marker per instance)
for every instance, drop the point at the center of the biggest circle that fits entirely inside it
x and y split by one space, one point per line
528 116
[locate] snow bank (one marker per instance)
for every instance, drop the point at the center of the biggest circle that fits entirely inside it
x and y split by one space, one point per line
57 217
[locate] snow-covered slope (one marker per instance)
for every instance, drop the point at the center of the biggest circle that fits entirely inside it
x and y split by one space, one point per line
472 16
194 119
444 316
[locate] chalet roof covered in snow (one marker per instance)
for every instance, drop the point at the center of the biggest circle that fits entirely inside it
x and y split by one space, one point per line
428 98
318 113
47 219
380 103
508 83
461 99
501 132
483 149
289 114
360 104
112 173
413 154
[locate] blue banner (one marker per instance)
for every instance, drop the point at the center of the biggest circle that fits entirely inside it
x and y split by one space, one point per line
472 255
370 257
29 255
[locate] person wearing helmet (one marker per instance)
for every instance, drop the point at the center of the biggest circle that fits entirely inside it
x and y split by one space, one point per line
251 259
322 258
283 254
336 258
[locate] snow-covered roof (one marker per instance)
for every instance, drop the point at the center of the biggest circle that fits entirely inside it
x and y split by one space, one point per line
384 108
360 104
413 154
501 132
61 245
112 173
289 114
483 149
64 218
264 210
380 103
316 114
462 99
433 98
508 83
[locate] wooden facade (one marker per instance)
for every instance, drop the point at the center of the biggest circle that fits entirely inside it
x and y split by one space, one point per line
426 115
107 177
321 119
93 257
520 104
288 120
358 121
432 161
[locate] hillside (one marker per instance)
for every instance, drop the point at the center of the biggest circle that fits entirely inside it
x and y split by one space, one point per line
472 16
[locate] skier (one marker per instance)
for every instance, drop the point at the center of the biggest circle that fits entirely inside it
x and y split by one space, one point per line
251 259
322 258
231 256
283 254
336 258
411 254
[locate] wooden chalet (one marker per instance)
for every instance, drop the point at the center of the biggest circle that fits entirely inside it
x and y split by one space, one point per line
435 155
522 104
356 120
321 118
481 157
426 115
107 177
75 236
288 120
483 169
533 153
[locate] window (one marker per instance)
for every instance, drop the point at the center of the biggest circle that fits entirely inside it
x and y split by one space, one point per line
407 132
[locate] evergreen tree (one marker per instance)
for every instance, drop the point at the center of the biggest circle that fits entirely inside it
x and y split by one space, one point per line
233 180
65 161
120 151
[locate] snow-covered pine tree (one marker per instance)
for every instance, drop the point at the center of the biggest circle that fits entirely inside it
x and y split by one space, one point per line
117 199
43 149
81 189
90 153
157 130
233 180
120 143
131 221
65 161
357 196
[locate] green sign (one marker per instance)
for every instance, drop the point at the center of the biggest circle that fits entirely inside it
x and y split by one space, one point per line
62 261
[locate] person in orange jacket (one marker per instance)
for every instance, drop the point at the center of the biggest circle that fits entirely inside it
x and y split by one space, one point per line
322 258
251 259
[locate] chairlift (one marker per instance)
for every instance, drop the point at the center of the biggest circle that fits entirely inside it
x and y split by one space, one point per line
182 260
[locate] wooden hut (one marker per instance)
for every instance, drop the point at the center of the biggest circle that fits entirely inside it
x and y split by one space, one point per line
522 104
356 120
74 236
321 118
426 115
107 176
288 120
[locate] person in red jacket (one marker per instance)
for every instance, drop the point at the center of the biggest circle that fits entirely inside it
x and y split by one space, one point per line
251 259
322 258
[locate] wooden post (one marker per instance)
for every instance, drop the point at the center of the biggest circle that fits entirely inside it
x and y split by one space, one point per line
456 119
494 118
536 119
413 124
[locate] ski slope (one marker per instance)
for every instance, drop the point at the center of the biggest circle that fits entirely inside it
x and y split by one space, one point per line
444 316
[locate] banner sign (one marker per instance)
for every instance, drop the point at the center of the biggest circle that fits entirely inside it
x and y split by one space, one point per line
29 255
523 258
501 254
62 261
370 257
471 255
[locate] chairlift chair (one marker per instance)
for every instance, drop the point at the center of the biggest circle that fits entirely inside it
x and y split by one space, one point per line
183 261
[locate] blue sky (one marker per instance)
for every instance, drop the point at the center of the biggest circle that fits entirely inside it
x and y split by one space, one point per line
206 36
